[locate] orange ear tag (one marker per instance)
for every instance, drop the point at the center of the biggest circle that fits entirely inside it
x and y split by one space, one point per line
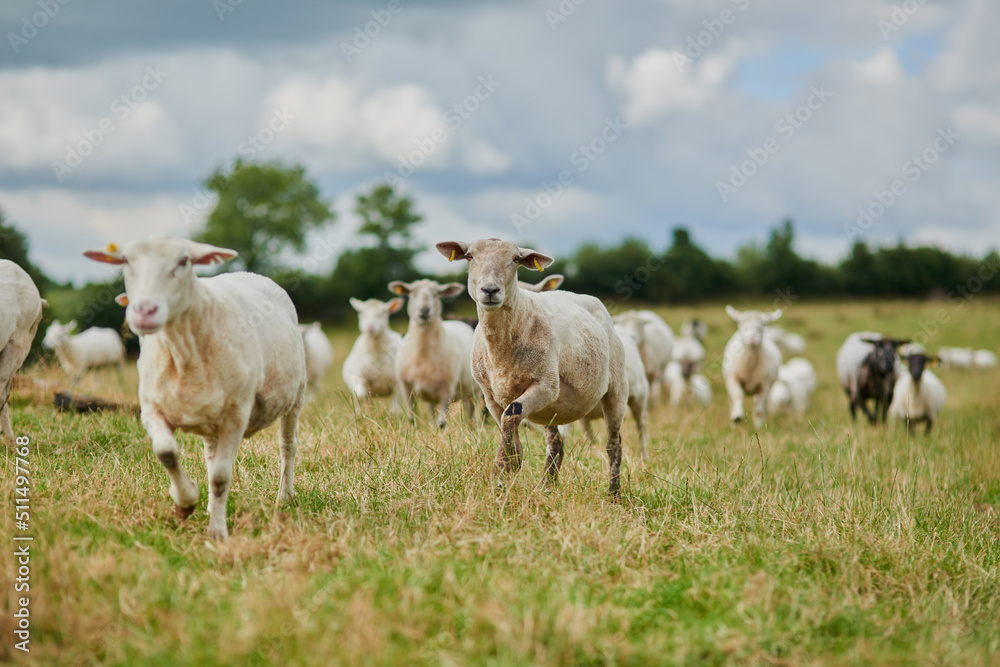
537 265
452 258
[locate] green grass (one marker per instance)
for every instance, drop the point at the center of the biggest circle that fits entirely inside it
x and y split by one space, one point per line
809 542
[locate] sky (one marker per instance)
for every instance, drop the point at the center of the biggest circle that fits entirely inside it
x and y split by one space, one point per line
546 123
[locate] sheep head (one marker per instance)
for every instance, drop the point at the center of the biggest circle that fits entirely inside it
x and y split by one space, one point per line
493 268
425 298
373 315
751 324
159 277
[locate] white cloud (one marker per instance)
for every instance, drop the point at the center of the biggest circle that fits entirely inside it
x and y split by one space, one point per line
657 82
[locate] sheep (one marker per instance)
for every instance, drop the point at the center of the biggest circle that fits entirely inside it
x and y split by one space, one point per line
95 347
694 329
319 354
656 343
750 363
547 284
547 358
789 343
793 389
638 394
984 359
681 373
919 394
20 313
958 357
220 357
433 362
370 368
866 369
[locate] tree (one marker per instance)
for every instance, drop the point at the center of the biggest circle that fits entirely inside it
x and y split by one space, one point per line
388 219
14 246
263 211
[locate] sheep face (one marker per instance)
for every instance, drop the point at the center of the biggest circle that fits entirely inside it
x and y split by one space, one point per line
159 277
373 315
425 298
493 268
916 363
882 360
751 324
58 334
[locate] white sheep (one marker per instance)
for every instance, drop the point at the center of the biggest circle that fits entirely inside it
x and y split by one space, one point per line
221 357
638 394
92 348
956 357
984 359
789 343
434 363
20 313
919 394
370 368
656 343
793 389
319 354
548 358
750 363
694 387
681 374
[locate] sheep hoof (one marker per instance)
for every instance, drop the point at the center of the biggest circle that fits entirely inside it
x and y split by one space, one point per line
737 420
184 512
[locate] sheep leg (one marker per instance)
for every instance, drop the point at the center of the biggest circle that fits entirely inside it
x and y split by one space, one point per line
183 489
220 475
289 434
554 453
760 408
5 424
534 399
588 431
927 428
613 405
441 409
638 410
735 391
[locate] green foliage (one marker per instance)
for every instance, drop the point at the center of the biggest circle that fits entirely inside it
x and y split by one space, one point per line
387 219
263 211
14 247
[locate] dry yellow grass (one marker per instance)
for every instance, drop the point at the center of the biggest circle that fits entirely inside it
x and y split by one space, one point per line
810 542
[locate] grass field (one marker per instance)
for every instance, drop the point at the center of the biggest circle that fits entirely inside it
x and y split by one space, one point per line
809 542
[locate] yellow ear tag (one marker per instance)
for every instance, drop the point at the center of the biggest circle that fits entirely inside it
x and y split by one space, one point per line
112 247
452 258
537 265
399 290
552 284
124 301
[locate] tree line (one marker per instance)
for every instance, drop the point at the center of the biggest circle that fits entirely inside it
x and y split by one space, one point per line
273 215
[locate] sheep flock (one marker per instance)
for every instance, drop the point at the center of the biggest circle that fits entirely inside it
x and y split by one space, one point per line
534 354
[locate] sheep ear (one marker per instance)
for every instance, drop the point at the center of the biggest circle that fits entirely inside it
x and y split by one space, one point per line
357 304
400 288
453 250
870 341
531 259
122 299
203 253
71 325
450 290
395 304
733 313
110 255
553 282
773 316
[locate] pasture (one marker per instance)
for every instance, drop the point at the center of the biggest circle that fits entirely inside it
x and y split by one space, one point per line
812 541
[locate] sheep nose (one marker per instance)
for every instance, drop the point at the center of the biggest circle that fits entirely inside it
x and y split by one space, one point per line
146 309
425 312
490 291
